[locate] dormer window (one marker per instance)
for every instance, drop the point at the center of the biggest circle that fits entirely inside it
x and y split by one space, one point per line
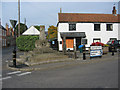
72 27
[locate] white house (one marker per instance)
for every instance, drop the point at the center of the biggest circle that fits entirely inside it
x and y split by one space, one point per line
93 27
31 31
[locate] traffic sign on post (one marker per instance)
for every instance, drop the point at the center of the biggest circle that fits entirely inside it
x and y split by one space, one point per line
13 23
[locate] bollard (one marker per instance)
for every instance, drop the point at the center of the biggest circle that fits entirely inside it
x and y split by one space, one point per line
14 58
84 56
75 56
112 53
69 53
112 48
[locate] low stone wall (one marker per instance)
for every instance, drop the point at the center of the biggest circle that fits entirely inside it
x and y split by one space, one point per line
105 50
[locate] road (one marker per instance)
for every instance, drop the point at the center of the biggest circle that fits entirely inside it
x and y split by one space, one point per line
94 75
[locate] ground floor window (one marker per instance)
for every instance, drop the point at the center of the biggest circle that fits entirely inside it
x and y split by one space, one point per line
60 42
113 38
53 42
96 40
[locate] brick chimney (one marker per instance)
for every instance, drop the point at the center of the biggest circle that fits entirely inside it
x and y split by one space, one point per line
7 29
114 10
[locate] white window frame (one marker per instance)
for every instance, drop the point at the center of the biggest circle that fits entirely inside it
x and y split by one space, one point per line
97 40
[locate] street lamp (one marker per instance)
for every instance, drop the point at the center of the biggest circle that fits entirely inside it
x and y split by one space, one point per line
13 23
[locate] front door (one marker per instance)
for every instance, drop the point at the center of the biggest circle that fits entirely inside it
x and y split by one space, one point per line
69 43
78 42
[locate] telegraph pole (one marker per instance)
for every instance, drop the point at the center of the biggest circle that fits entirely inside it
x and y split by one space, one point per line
25 21
18 18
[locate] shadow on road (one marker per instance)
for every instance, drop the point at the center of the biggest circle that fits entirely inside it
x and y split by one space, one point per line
19 66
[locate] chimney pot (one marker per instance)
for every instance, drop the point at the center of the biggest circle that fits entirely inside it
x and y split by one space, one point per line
114 10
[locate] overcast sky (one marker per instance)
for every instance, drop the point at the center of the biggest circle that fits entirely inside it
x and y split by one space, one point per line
46 13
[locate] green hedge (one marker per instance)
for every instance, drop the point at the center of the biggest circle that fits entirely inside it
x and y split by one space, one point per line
26 43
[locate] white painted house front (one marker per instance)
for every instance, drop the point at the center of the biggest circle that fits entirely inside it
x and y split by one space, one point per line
93 27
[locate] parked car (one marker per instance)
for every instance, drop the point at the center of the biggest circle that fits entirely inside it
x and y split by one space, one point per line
118 45
113 43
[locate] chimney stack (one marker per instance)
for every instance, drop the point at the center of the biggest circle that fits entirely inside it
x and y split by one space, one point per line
114 10
7 29
42 32
60 10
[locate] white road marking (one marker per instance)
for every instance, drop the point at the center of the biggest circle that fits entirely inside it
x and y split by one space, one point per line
23 73
5 78
0 75
6 61
14 72
11 61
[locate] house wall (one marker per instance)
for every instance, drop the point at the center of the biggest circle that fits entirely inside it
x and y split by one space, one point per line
0 37
4 41
88 28
118 31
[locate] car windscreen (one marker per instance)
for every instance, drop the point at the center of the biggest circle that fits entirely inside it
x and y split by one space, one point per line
109 42
118 42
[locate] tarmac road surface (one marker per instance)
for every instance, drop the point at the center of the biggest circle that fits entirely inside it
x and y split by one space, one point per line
95 75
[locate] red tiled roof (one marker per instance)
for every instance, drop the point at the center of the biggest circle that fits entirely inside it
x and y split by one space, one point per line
78 17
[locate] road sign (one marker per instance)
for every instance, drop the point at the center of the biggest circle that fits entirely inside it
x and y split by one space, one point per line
13 23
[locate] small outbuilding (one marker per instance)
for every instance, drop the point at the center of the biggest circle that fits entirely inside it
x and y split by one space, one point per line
31 31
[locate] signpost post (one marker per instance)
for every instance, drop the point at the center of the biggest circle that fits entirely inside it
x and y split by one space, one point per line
13 23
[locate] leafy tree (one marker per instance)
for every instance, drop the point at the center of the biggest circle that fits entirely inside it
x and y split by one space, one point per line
23 28
52 32
37 27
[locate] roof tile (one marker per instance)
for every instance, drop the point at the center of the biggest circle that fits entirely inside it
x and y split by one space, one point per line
78 17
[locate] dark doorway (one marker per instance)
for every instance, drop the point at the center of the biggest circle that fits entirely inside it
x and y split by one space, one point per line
78 42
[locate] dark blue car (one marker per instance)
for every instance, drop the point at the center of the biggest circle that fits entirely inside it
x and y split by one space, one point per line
115 43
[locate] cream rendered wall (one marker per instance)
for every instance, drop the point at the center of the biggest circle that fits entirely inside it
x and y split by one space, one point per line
62 27
88 28
118 31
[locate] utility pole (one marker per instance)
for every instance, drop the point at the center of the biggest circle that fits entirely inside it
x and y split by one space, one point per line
25 21
18 18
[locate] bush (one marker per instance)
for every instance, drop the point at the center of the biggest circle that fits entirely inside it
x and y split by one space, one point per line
26 43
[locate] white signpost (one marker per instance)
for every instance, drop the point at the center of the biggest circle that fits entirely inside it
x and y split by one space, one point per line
96 51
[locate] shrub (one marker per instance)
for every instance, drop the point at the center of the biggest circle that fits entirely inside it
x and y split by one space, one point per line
26 43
